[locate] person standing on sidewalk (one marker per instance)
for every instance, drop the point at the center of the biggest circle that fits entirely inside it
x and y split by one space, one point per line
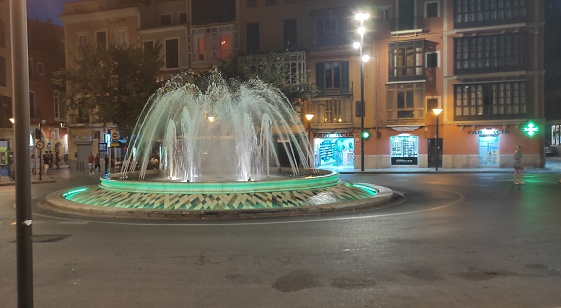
106 159
97 163
518 166
91 160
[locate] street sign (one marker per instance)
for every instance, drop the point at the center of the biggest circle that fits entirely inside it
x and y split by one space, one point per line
40 144
102 147
114 135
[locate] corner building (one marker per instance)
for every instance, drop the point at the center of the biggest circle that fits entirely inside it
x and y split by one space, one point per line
481 62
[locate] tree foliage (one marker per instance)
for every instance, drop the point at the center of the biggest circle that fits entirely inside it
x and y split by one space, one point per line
113 85
271 69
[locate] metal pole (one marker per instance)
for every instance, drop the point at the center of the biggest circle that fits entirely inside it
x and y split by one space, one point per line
436 144
18 13
361 102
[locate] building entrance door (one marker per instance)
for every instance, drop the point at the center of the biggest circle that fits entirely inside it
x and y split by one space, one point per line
489 151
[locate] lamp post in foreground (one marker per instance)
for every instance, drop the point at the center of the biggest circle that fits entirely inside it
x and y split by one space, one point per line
437 112
361 17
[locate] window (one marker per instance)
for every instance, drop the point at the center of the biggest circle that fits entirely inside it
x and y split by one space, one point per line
253 37
501 100
81 39
182 18
331 28
290 33
432 102
384 14
333 111
489 53
172 53
332 78
432 60
40 68
270 2
251 3
59 107
225 47
406 60
101 40
406 15
3 72
32 111
469 13
149 45
406 102
5 112
213 43
122 36
165 20
431 10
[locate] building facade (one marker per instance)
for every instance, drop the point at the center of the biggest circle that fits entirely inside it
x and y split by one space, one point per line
480 62
46 55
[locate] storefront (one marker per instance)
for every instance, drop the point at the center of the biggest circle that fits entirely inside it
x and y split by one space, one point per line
488 144
404 150
334 150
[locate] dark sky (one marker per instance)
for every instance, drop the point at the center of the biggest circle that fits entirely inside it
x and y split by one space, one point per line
45 9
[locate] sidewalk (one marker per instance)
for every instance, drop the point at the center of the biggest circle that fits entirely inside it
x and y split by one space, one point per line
552 165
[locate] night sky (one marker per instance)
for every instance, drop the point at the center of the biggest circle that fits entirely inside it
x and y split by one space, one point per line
45 9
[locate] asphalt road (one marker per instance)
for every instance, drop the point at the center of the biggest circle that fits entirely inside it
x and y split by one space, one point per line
452 240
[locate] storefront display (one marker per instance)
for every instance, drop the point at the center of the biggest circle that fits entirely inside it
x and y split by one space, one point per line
334 150
404 150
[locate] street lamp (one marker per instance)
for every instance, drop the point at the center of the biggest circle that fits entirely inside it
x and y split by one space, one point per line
361 17
437 112
12 120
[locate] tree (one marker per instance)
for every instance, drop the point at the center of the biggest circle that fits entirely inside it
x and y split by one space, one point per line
271 69
113 85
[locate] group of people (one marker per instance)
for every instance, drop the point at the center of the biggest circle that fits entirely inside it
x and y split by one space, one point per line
94 163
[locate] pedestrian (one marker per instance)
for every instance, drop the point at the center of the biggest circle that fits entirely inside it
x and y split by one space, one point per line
45 162
57 159
518 166
51 159
97 163
91 160
106 159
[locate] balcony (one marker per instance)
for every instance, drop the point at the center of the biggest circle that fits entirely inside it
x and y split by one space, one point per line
408 25
343 89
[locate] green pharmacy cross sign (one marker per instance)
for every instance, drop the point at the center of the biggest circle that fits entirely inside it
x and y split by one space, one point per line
531 129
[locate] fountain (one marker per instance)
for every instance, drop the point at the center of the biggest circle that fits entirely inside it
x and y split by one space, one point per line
218 145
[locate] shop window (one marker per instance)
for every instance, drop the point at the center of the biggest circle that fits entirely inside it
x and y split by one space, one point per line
404 150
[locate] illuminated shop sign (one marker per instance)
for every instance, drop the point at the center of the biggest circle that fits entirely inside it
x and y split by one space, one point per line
404 150
488 131
333 135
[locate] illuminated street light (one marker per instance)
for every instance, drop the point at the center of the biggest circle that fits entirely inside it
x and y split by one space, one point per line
361 17
12 120
309 117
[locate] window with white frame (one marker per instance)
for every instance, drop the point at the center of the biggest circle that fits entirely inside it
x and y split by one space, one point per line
122 37
81 39
406 101
432 9
213 43
432 59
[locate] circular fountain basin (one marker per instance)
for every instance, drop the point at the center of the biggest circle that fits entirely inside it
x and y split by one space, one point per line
279 197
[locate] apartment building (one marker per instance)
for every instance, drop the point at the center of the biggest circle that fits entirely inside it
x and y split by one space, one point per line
480 62
187 43
46 55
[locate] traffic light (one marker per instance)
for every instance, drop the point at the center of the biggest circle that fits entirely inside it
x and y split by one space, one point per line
365 134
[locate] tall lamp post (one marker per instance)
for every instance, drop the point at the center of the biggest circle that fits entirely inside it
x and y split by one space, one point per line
437 112
309 117
361 17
